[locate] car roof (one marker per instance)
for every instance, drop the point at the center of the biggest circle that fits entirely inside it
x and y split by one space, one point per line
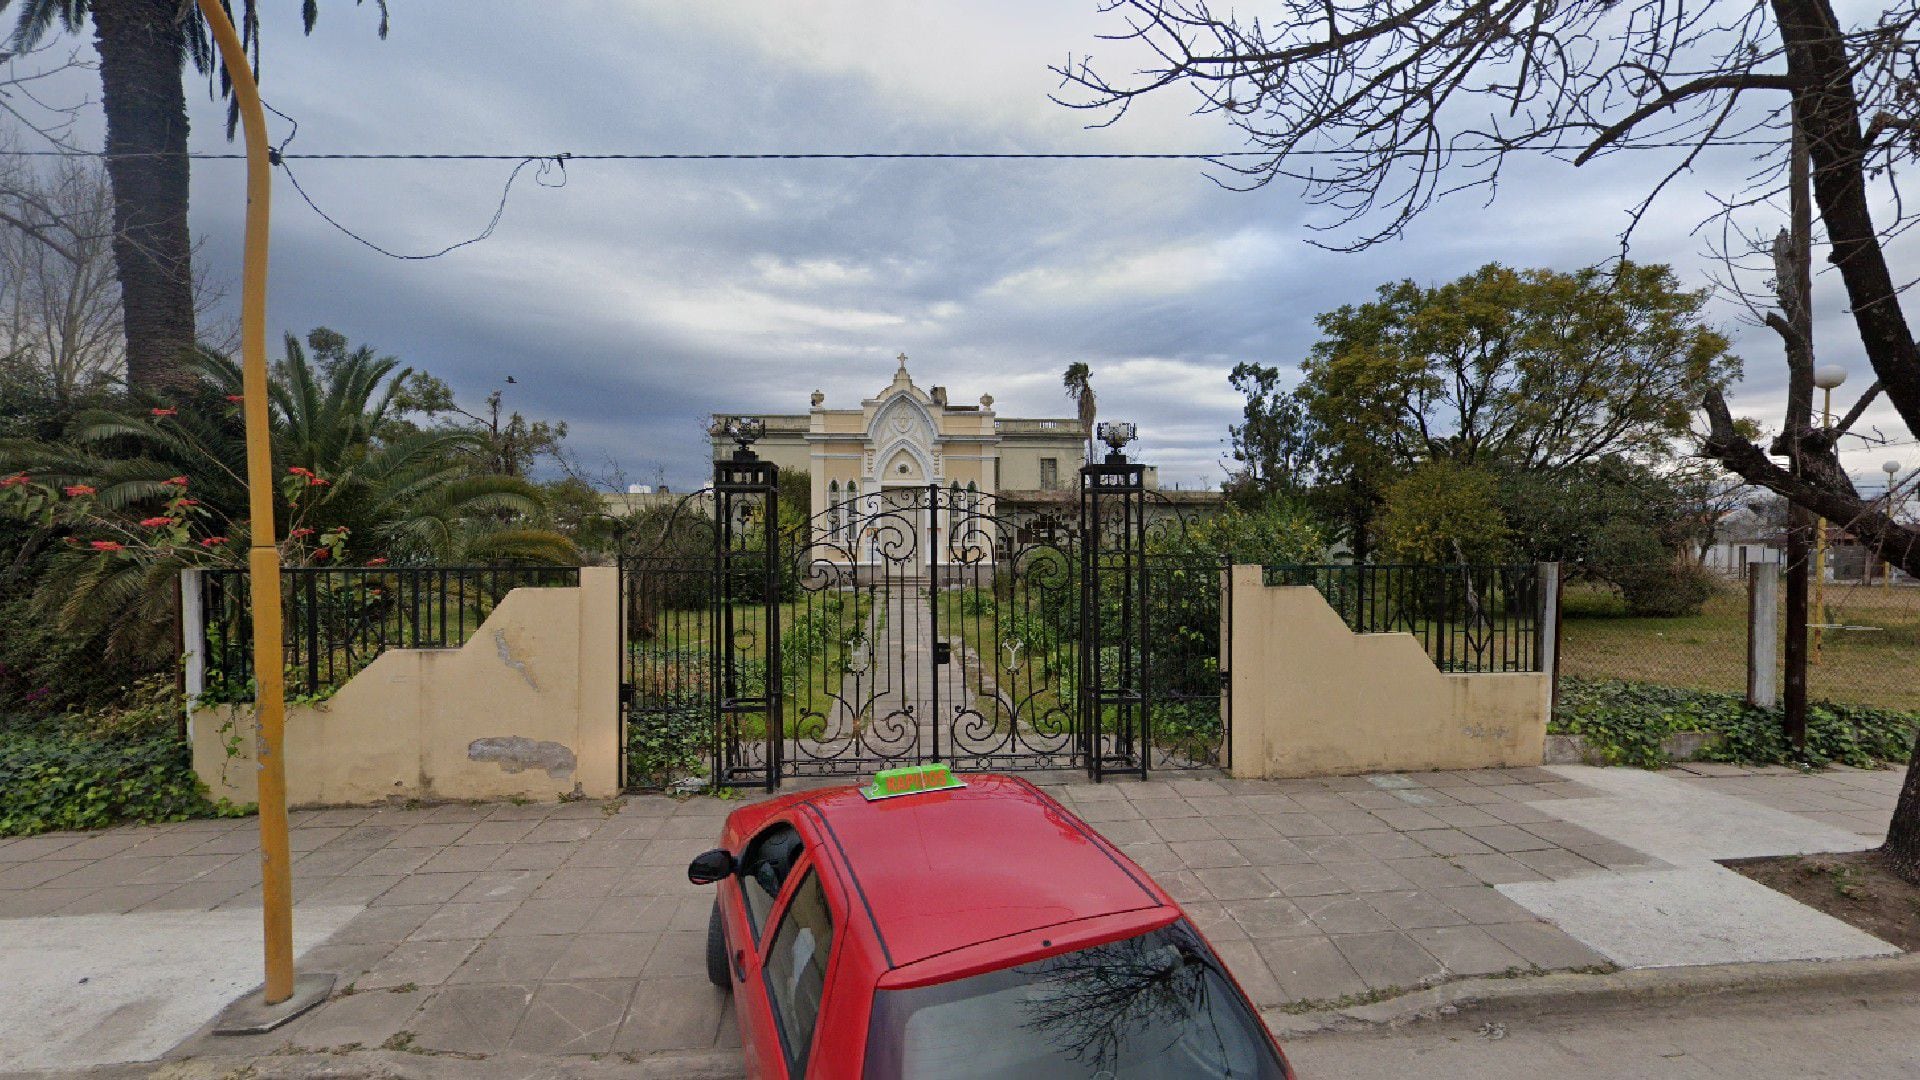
943 870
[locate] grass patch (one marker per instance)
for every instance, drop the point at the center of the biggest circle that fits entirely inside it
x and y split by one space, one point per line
1872 662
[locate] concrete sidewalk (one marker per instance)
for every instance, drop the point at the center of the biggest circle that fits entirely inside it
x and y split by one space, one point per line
569 931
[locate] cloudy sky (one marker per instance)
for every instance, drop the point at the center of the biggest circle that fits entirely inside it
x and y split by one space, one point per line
641 296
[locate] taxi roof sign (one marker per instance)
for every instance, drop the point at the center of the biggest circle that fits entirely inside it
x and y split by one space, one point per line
911 780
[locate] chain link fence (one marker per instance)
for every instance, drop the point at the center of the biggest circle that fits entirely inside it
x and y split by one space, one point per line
1864 647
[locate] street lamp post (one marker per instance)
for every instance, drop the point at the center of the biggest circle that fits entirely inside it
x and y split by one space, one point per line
1892 469
1828 378
282 995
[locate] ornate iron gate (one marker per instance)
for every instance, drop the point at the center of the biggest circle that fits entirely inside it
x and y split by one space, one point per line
922 625
910 624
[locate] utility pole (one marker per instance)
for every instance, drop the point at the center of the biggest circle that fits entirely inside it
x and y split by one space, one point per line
1794 273
281 996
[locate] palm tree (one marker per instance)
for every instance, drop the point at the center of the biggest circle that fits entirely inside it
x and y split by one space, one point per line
402 493
1079 384
143 47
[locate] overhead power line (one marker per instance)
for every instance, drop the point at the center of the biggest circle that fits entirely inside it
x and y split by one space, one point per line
872 155
548 165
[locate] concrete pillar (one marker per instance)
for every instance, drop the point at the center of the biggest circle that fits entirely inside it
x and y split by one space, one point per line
193 640
1547 631
1763 635
598 737
1247 744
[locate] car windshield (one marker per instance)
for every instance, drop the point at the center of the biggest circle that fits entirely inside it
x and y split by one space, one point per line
1157 1005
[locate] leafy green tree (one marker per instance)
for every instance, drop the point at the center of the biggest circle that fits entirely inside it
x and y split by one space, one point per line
1276 446
143 47
1444 512
1619 522
1532 369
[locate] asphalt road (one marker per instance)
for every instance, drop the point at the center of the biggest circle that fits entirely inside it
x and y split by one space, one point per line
1828 1035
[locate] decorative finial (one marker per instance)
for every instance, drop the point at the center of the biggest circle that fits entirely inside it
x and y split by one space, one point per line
819 398
986 401
903 361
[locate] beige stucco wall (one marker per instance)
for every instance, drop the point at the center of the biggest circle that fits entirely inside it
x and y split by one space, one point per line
1312 698
1020 461
527 708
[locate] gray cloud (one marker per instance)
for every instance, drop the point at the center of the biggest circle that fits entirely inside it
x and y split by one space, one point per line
640 296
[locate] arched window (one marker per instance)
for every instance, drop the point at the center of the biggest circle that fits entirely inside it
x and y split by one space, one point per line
973 496
852 520
833 509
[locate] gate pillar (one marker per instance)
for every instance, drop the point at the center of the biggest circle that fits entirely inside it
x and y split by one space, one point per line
748 703
1113 699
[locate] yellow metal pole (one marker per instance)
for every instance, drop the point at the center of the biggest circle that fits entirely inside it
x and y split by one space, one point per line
263 557
1820 545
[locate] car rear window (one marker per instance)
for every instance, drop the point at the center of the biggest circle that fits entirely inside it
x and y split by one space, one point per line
1143 1008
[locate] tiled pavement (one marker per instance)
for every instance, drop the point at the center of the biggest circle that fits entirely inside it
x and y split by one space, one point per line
570 929
1851 799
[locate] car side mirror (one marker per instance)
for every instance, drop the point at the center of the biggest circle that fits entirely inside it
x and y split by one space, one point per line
710 866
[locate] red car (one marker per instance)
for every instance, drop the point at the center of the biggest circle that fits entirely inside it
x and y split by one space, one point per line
975 931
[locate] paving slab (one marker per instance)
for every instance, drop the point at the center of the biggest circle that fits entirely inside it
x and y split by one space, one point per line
100 989
1692 915
1684 823
568 933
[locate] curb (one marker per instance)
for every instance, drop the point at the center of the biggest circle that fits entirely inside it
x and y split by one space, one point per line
1563 992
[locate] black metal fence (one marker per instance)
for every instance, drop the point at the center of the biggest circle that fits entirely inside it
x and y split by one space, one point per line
1469 619
338 619
1191 706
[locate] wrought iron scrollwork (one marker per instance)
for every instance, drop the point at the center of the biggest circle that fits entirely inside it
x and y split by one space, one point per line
909 624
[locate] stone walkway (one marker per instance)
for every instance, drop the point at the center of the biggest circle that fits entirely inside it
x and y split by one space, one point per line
570 929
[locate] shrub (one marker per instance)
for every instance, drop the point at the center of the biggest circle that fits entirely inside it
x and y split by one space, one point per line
668 741
109 765
1666 590
1626 721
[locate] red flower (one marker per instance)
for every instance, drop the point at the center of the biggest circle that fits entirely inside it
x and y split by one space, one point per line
213 541
296 470
71 539
74 491
236 398
186 502
177 481
298 533
377 562
15 480
108 545
314 481
156 522
166 412
322 553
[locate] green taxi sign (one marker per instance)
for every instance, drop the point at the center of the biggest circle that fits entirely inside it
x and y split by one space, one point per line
912 780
